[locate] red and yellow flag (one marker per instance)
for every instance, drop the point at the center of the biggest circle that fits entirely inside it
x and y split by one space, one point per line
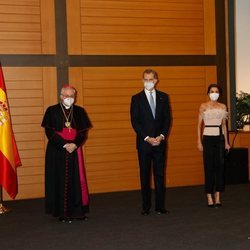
9 157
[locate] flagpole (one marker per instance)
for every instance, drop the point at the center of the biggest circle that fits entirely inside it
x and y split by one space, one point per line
3 209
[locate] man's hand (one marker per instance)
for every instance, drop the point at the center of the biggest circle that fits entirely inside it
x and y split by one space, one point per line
153 141
70 147
159 138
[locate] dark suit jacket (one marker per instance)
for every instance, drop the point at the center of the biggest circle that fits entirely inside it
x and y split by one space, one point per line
143 121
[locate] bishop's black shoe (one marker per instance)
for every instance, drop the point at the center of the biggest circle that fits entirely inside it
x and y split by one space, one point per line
145 212
83 218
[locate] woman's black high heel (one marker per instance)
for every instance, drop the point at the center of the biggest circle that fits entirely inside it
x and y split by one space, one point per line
217 200
218 204
210 201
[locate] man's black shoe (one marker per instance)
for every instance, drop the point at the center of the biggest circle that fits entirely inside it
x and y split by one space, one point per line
65 219
162 211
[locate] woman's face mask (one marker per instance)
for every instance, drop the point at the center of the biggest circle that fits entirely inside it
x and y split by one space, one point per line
214 96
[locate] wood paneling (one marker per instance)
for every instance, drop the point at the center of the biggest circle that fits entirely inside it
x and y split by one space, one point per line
27 27
48 26
30 91
110 27
137 27
110 151
241 139
74 27
209 27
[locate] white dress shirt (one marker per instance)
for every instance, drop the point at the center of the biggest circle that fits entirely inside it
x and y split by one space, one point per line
147 92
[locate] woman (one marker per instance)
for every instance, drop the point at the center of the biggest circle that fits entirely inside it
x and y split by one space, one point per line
213 142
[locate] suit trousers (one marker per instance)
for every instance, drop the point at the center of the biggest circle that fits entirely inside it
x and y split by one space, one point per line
156 157
213 159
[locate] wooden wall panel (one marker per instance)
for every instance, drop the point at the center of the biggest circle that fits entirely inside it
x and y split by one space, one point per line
136 27
27 27
110 152
30 91
113 27
209 27
241 139
74 27
48 26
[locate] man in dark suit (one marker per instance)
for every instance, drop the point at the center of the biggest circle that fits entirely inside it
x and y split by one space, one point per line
150 118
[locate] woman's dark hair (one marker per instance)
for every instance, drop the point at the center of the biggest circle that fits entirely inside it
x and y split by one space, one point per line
214 85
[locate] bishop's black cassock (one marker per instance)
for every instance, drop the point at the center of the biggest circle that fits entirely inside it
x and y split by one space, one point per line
66 191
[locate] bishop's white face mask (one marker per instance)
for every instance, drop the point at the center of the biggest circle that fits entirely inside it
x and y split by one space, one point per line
149 85
68 101
214 96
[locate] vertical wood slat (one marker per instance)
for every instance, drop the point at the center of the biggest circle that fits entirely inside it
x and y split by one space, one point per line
48 27
209 27
74 27
49 86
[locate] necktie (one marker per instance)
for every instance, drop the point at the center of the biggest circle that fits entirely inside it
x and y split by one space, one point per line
152 104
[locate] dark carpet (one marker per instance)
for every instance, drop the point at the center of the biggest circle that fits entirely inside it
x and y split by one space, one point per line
115 222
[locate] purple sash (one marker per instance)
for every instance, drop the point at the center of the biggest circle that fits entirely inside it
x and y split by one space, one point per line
70 134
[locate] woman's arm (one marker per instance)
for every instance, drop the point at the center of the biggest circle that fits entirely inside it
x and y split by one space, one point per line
200 122
224 128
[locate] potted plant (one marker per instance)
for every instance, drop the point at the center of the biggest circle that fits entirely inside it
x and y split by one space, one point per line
243 111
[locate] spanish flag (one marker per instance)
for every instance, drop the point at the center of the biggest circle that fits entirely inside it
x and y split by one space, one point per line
9 157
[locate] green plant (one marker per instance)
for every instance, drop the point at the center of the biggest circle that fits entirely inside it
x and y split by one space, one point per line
242 109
